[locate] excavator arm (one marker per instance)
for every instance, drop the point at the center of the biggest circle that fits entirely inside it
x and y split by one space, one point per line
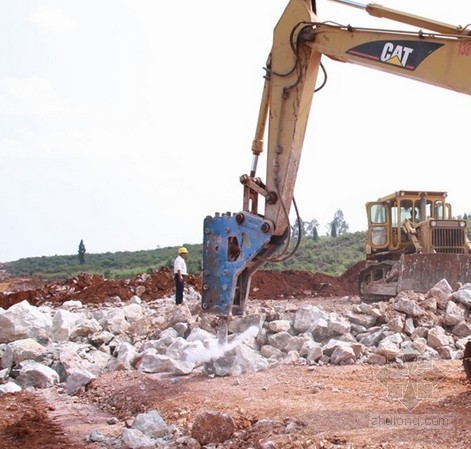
236 245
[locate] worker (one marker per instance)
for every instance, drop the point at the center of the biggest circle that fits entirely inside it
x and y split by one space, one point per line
179 271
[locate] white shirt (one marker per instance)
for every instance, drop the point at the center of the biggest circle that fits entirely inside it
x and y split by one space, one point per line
179 265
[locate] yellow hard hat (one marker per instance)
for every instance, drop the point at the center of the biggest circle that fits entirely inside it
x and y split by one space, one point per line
182 250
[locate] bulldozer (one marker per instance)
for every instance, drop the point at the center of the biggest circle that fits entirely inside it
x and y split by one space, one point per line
413 242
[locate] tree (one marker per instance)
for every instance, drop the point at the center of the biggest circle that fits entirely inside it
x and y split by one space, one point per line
333 229
338 226
309 229
81 253
295 230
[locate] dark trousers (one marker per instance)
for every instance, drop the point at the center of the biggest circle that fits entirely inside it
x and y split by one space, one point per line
179 285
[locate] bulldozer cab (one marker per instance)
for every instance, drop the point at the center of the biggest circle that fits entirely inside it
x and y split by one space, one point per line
404 222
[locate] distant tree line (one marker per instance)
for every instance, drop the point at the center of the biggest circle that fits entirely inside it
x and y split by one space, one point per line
310 229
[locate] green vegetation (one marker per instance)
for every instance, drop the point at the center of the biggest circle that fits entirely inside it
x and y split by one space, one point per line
325 254
330 255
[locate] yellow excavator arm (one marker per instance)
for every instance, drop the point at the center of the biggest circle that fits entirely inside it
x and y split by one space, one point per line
236 245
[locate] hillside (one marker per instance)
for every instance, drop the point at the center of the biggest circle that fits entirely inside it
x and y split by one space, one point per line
332 256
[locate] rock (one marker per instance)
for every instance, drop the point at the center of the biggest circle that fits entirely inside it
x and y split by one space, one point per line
136 299
370 339
463 295
23 320
338 324
212 427
135 439
305 316
37 375
279 326
4 373
409 326
151 424
280 341
72 355
361 319
201 335
329 347
441 291
150 361
419 332
85 328
389 346
241 359
72 305
181 367
410 308
101 338
320 329
181 314
420 345
297 342
95 437
77 379
376 359
9 387
342 354
20 350
167 337
133 312
396 324
437 338
453 314
113 320
462 329
64 323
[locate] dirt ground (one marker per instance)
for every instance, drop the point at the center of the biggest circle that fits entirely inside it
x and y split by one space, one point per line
286 406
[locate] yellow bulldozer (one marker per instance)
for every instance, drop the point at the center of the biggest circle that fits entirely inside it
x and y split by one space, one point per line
413 242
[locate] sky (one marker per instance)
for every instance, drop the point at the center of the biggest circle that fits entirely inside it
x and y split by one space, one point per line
125 122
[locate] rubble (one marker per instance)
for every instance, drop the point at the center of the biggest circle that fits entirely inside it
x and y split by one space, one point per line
71 343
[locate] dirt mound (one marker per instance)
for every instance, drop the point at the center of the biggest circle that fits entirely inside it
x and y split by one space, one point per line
95 289
299 284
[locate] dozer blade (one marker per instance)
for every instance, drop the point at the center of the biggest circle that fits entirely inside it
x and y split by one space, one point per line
416 272
467 360
420 272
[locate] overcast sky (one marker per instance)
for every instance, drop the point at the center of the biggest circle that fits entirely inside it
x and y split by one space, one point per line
125 122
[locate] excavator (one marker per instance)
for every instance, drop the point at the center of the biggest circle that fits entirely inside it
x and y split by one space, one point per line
236 245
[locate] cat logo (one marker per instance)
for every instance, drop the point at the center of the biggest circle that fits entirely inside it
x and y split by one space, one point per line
395 54
404 54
